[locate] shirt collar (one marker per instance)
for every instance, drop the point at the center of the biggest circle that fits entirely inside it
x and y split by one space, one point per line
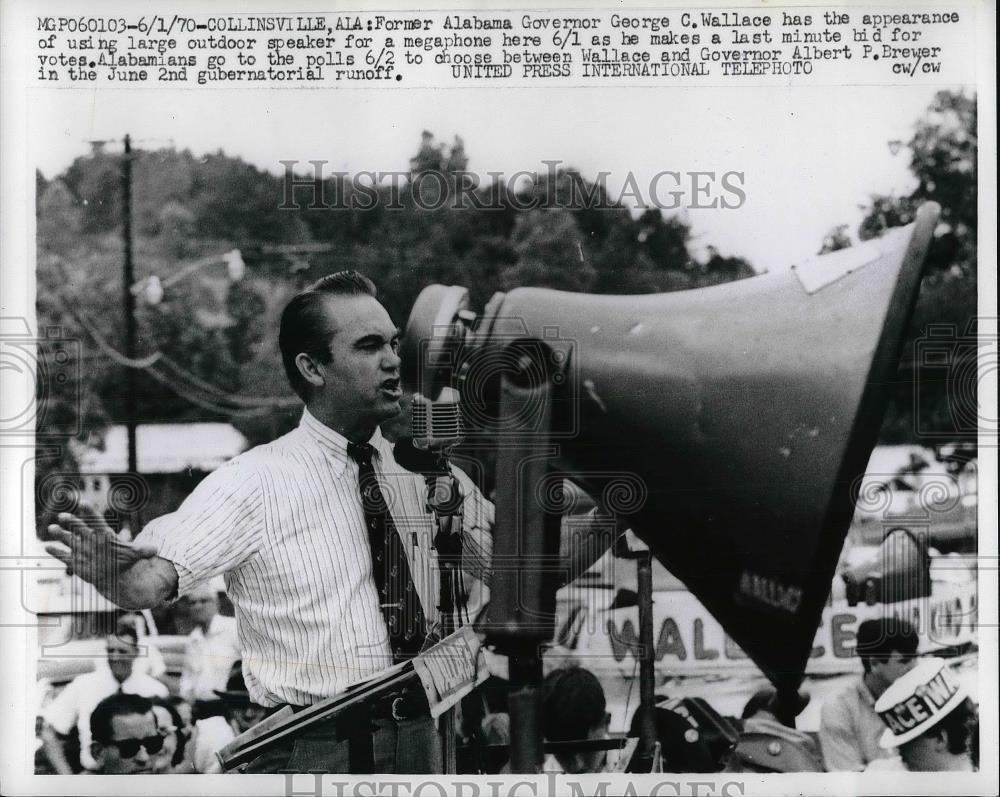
105 670
334 443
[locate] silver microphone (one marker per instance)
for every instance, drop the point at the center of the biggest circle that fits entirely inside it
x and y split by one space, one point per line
437 425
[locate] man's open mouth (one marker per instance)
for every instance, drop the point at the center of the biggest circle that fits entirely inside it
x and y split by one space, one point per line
391 387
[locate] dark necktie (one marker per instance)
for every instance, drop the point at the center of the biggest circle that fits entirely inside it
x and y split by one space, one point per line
400 604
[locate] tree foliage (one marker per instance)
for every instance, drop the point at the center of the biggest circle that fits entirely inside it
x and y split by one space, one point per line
217 340
556 229
934 406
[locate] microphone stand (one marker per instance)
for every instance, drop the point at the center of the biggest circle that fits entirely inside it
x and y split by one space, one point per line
445 501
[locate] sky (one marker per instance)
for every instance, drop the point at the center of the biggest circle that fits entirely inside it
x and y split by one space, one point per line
810 158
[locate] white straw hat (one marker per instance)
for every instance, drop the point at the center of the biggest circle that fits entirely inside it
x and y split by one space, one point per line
917 701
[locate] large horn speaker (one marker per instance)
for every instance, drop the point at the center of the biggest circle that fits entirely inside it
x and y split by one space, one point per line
741 414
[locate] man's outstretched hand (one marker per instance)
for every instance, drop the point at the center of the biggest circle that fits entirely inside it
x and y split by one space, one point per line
88 547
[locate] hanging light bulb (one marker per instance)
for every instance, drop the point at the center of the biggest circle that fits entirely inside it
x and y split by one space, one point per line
153 291
235 266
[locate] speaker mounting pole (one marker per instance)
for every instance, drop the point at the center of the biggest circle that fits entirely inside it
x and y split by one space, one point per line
521 615
642 760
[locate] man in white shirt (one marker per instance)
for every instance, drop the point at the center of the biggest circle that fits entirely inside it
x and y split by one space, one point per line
212 647
126 737
850 727
150 660
74 705
307 543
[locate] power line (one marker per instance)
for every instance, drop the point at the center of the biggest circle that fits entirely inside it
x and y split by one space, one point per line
216 399
275 402
208 404
103 345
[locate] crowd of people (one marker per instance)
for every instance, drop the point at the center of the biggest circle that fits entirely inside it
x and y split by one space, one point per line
130 734
123 718
904 712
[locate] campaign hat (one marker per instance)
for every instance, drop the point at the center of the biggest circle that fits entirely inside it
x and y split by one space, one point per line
918 700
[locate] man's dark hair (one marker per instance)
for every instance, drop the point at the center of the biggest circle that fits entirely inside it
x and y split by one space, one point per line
120 704
303 323
960 724
878 639
573 703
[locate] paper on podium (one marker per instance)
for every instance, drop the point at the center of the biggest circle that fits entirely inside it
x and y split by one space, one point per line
451 669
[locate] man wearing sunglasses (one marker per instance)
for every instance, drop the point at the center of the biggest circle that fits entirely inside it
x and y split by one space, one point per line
74 704
125 737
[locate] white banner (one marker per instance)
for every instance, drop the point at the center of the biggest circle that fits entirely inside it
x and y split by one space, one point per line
688 640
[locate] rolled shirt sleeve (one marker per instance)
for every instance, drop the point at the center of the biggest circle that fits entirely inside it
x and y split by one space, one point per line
218 527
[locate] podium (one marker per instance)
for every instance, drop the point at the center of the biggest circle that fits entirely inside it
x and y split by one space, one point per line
446 672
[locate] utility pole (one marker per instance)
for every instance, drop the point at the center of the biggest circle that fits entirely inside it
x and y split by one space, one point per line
644 756
129 299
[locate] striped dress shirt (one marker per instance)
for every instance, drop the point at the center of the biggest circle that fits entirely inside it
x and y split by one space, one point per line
284 524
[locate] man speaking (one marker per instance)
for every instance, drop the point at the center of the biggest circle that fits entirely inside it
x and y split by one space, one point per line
324 542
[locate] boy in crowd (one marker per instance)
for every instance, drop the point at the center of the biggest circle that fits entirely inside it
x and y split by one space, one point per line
929 717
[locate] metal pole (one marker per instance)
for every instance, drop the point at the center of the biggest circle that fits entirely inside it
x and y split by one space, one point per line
525 545
647 682
449 745
129 301
524 702
131 410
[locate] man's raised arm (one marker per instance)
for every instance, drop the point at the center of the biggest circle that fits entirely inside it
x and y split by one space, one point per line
129 575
